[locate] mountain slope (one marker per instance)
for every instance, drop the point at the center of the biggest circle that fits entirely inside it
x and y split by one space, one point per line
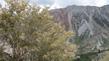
90 23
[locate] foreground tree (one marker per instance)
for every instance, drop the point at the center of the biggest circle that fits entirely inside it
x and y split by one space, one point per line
31 35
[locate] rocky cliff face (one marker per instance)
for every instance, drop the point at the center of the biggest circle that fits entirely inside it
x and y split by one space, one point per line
90 23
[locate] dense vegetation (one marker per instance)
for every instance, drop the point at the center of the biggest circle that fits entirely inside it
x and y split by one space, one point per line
28 33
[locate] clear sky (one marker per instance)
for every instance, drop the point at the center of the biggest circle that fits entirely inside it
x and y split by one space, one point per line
63 3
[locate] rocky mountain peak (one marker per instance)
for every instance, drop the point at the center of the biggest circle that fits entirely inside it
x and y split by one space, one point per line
90 23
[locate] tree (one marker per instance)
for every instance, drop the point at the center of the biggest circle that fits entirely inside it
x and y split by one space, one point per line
32 35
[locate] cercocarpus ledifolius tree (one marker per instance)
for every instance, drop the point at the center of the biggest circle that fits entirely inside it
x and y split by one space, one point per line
30 34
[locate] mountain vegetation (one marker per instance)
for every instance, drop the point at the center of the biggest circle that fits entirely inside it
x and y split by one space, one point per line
28 33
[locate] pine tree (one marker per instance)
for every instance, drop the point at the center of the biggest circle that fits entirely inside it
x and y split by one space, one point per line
32 35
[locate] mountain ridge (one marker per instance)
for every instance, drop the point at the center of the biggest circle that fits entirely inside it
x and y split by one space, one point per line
90 23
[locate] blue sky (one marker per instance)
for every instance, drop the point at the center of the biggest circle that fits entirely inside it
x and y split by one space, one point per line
63 3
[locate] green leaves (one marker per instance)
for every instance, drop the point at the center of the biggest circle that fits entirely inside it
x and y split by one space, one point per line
33 35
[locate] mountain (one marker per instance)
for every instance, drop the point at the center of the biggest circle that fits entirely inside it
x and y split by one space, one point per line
90 24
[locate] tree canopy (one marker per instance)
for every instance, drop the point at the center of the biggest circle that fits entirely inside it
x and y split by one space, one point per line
30 34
